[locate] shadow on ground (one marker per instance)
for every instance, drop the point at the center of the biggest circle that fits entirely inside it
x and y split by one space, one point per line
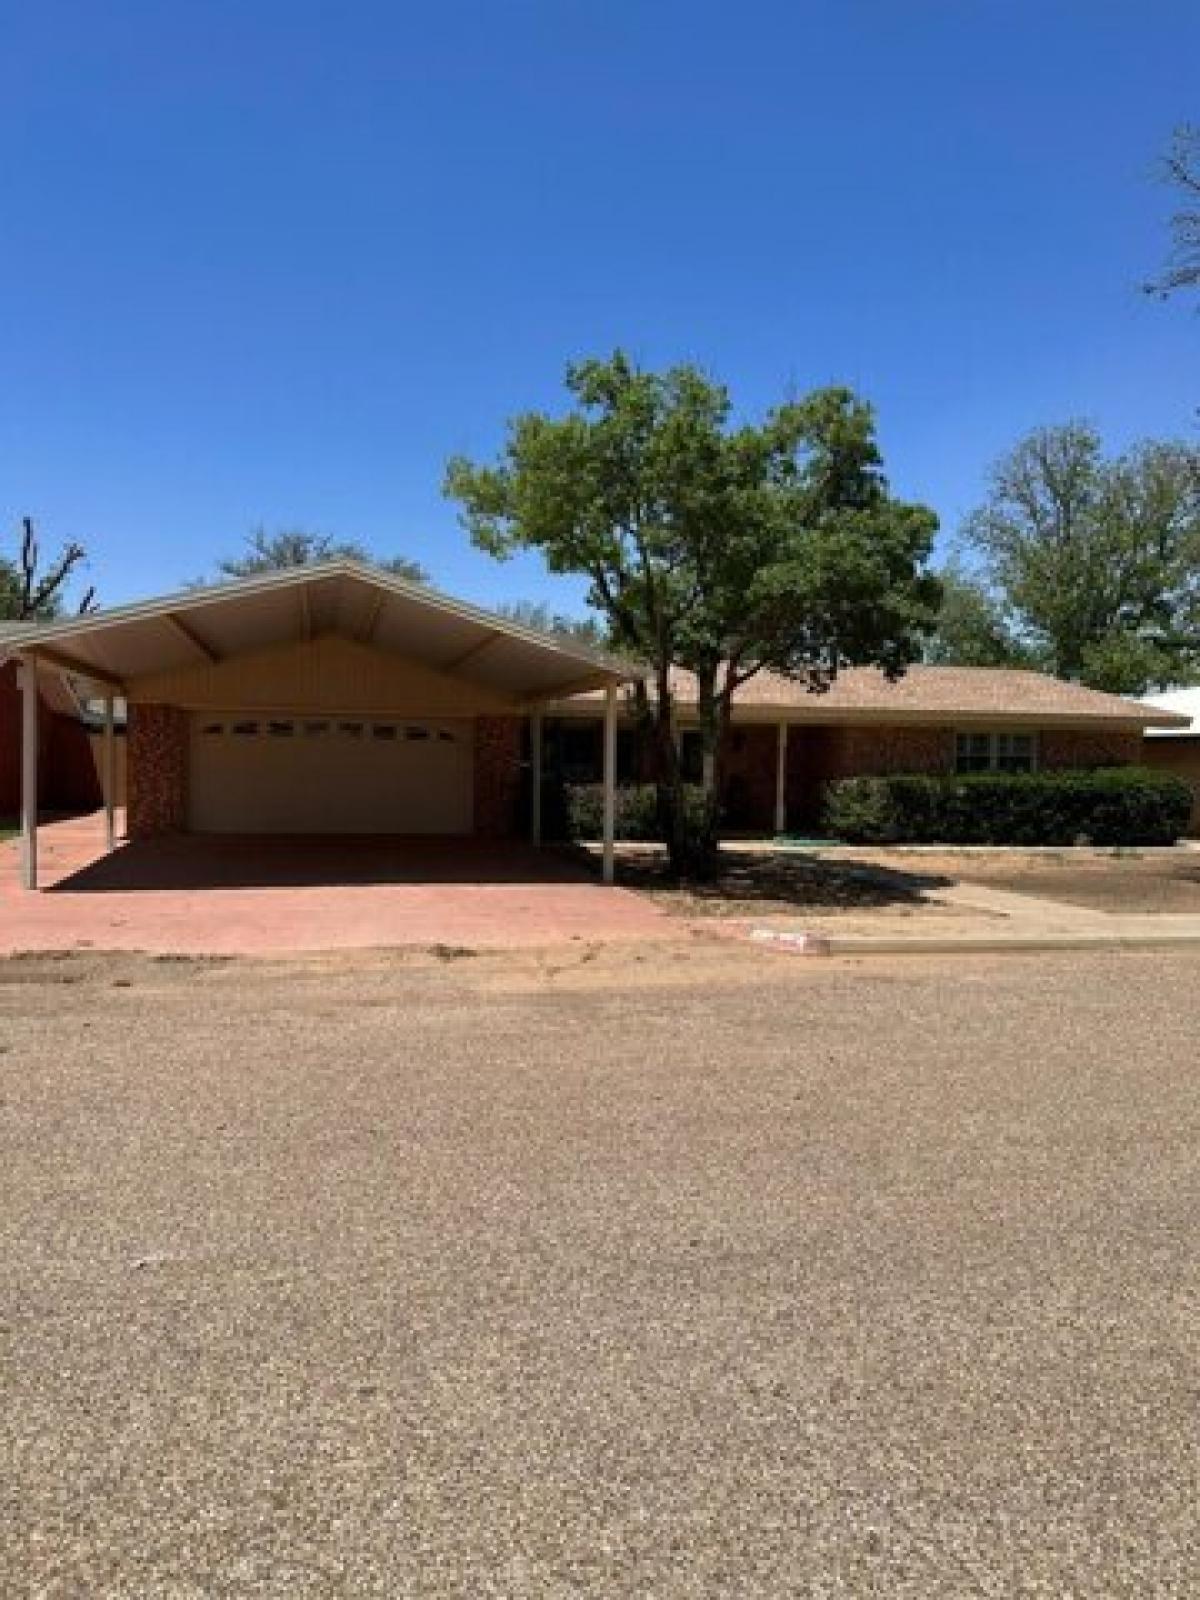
781 881
243 862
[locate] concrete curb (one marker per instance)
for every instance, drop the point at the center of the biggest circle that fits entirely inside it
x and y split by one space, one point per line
810 944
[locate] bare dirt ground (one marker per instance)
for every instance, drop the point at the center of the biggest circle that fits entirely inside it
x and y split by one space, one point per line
1114 881
870 887
694 1271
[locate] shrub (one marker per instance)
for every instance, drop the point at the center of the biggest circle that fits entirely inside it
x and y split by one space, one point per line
1110 806
636 814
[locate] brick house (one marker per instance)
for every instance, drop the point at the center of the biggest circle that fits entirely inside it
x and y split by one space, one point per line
340 699
68 779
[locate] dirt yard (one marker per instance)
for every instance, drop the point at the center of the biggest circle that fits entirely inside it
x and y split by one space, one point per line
688 1271
875 885
1154 881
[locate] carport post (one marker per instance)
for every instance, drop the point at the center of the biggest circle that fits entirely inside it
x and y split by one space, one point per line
535 776
29 773
610 777
781 780
110 773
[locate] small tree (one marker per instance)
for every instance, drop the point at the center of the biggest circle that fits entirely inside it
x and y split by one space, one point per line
301 547
31 592
722 549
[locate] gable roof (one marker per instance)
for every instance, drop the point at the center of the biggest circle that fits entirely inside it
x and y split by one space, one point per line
344 597
931 693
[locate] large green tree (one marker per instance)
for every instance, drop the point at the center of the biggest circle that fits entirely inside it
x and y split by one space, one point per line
268 551
1094 561
722 547
972 629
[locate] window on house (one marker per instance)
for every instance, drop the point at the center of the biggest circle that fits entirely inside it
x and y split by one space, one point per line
579 752
995 752
281 730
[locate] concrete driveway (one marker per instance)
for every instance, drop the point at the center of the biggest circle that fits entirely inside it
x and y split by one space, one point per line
379 1276
199 895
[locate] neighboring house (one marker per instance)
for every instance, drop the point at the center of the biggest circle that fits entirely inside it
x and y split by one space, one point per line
340 699
68 779
1177 749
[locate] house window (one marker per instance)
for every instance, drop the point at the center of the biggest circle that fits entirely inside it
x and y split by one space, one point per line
995 752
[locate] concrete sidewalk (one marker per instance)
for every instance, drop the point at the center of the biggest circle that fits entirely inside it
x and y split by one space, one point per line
984 919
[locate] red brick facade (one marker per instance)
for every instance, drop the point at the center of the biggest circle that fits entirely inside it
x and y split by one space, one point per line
498 776
157 777
67 776
1089 747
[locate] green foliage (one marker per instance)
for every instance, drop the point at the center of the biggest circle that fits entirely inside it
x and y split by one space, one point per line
1095 561
301 547
1108 806
972 630
537 615
636 815
716 546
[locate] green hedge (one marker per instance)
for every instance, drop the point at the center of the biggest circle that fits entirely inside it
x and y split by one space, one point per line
1111 806
636 815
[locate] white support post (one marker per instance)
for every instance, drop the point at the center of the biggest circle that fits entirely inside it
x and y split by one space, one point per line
781 780
610 778
29 774
110 774
535 777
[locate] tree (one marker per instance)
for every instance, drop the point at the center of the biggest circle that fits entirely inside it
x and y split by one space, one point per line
1183 173
30 592
722 549
1096 562
537 615
301 547
972 629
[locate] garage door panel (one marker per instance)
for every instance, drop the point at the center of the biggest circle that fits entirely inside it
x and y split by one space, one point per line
318 774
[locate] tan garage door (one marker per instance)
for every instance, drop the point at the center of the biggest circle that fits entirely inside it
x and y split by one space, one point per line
256 774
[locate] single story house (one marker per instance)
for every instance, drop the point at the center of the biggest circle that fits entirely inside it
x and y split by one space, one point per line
1177 749
337 698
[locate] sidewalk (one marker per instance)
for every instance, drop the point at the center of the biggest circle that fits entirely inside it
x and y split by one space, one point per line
974 919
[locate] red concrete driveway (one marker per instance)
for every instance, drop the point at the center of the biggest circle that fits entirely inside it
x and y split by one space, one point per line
274 896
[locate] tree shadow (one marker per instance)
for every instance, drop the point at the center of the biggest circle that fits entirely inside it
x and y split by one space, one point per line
783 880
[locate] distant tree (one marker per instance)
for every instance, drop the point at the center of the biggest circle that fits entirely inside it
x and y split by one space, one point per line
31 592
1182 166
724 549
301 547
972 629
1095 561
539 616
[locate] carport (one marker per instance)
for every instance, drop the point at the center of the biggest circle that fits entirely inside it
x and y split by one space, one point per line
333 699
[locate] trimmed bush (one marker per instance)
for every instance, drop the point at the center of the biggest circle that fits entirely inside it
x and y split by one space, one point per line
1110 806
636 815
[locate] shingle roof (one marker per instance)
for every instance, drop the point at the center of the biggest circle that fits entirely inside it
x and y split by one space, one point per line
937 693
1185 703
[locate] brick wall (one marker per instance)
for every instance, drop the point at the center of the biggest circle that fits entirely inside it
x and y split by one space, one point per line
498 776
1089 747
157 773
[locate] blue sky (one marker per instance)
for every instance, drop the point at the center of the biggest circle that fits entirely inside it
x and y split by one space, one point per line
274 260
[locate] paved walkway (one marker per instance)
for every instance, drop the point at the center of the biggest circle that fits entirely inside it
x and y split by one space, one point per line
270 896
